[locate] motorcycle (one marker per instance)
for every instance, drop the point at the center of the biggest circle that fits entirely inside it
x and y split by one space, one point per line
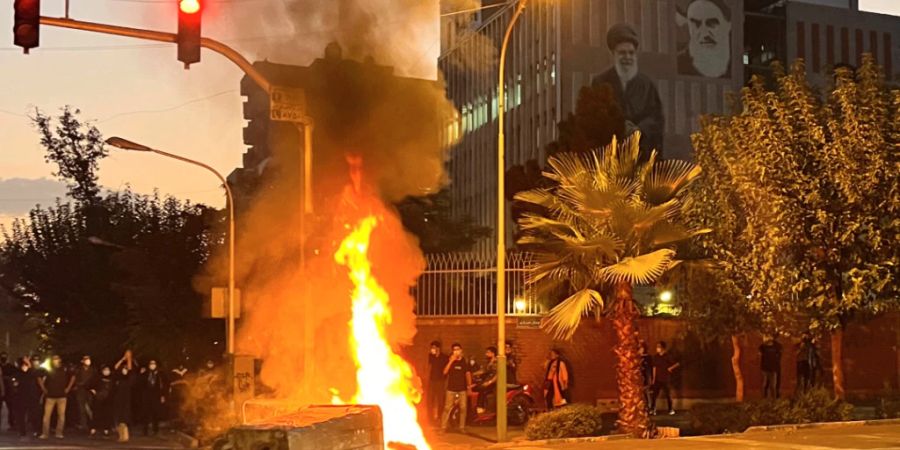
519 405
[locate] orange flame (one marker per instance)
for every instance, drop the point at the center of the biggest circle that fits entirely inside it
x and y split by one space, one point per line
383 377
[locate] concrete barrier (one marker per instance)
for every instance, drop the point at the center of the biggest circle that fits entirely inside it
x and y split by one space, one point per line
344 427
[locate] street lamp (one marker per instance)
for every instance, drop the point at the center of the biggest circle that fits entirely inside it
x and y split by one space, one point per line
125 144
501 233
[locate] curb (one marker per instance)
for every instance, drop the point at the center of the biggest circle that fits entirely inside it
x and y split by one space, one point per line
611 437
803 426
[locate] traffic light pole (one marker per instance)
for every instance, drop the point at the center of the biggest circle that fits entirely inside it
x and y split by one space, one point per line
159 36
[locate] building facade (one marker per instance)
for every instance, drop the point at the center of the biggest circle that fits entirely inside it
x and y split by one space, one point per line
698 54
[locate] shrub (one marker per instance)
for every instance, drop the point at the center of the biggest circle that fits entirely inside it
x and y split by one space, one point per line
570 421
816 405
716 418
888 405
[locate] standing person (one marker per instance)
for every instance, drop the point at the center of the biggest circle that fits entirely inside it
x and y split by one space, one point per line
153 397
646 374
434 399
459 378
557 380
7 369
85 377
178 394
103 390
770 363
25 398
487 379
807 363
124 384
511 364
56 385
663 367
39 372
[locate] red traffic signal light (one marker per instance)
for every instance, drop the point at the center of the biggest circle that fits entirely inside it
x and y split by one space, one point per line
26 23
189 14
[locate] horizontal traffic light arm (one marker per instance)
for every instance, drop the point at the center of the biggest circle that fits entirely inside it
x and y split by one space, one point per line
159 36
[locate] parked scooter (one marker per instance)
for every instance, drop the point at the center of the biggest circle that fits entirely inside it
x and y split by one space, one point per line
519 405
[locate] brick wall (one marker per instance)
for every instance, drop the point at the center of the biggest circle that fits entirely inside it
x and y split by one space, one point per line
870 352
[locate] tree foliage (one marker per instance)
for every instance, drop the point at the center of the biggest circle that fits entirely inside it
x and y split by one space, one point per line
76 148
816 178
438 231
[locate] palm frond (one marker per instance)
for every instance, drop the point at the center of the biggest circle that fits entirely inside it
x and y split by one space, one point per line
540 197
667 179
668 233
537 223
564 318
643 269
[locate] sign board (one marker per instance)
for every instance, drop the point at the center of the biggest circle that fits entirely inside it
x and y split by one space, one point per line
287 104
528 323
242 378
216 305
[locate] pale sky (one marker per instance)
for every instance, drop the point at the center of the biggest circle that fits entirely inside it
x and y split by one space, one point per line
138 90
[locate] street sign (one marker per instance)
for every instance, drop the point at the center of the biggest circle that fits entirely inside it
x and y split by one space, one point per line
287 104
528 323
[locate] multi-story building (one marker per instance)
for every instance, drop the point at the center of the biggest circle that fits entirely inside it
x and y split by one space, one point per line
696 52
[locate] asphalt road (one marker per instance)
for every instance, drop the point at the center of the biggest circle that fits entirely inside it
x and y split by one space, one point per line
10 440
861 437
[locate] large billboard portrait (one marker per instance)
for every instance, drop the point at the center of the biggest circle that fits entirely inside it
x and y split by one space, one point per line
704 38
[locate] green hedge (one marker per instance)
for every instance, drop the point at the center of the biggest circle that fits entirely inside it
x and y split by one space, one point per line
570 421
817 405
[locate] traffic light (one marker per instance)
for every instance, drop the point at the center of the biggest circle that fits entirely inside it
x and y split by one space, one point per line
26 24
189 13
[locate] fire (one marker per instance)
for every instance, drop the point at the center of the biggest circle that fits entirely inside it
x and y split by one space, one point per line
383 377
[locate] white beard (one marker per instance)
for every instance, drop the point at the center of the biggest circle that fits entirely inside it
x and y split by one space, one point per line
711 62
626 74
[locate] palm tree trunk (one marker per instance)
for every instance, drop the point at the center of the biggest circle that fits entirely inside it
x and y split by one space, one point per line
633 417
837 366
736 367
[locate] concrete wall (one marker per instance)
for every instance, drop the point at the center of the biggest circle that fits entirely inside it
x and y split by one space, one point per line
871 357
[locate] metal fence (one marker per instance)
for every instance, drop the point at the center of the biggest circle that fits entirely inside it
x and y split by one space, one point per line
465 284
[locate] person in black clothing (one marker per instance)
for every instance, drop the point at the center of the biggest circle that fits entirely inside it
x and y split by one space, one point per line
435 393
7 369
459 382
25 398
646 374
124 385
178 393
807 363
663 367
770 363
487 379
85 376
153 397
102 391
56 385
511 364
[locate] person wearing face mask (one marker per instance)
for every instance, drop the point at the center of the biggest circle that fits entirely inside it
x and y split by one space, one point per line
434 399
7 370
102 390
85 376
124 384
56 385
153 389
25 398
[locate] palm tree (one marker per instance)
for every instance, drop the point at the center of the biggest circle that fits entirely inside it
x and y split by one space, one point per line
610 221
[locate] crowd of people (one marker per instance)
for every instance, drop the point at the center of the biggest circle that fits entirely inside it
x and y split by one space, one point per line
453 378
105 402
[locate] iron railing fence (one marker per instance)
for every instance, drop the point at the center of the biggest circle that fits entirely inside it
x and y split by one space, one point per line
465 284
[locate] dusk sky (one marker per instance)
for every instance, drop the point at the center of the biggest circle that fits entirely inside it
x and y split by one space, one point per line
151 98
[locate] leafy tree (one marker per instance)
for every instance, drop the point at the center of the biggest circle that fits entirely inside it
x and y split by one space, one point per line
76 148
429 219
608 222
816 179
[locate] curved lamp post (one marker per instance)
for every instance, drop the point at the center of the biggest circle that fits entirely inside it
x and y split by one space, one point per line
501 232
125 144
